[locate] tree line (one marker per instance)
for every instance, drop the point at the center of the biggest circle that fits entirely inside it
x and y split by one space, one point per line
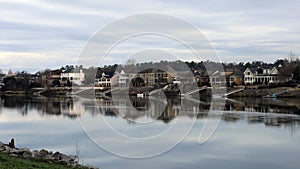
25 81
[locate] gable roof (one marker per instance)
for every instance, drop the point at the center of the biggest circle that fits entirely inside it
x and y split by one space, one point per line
262 71
252 70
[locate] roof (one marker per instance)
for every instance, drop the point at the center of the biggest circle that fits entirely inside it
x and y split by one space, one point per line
228 70
74 70
253 70
260 70
228 73
217 73
107 74
152 70
237 73
57 72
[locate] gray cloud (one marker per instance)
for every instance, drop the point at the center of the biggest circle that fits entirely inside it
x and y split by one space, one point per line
240 30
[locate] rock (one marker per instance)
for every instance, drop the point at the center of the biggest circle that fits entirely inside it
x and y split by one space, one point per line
57 155
27 154
64 159
11 144
43 152
7 149
24 152
35 153
15 151
2 146
48 156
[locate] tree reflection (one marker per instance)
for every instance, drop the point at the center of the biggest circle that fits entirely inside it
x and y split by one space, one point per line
271 113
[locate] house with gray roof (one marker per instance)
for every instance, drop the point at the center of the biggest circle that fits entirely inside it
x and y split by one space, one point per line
261 76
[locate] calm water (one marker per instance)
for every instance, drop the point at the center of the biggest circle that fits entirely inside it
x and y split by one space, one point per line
251 133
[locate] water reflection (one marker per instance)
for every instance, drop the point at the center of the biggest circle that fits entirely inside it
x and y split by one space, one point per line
43 105
271 112
249 104
251 128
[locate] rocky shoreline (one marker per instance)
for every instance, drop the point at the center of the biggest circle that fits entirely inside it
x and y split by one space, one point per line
42 155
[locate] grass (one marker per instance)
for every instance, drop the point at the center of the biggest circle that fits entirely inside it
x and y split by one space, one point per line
9 162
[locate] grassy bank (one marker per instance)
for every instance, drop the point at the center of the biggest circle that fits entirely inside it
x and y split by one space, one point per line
10 162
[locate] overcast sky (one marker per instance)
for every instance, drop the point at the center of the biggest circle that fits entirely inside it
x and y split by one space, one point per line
39 34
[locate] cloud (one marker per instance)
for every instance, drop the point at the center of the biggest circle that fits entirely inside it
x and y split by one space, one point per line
240 30
33 62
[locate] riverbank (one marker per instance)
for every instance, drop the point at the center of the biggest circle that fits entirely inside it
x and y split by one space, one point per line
283 92
8 161
17 158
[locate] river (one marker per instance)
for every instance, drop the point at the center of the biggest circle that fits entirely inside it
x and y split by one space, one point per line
157 132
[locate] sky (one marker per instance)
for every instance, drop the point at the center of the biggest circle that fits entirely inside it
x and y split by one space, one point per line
40 34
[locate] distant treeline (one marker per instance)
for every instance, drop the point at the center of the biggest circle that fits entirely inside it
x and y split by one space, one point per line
25 81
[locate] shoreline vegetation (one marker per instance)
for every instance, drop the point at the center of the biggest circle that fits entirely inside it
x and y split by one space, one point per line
17 158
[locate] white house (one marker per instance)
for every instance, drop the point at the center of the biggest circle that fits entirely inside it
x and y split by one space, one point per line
120 79
217 78
261 76
72 76
104 81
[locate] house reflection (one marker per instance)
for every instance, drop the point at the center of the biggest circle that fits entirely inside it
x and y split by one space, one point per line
135 108
271 113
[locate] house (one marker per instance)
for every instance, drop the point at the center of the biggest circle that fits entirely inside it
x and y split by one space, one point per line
261 76
153 76
237 78
72 76
1 80
120 79
148 77
36 80
203 79
217 78
104 81
10 73
51 78
228 77
185 77
123 79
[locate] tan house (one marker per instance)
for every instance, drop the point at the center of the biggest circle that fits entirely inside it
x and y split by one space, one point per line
51 78
148 77
236 78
